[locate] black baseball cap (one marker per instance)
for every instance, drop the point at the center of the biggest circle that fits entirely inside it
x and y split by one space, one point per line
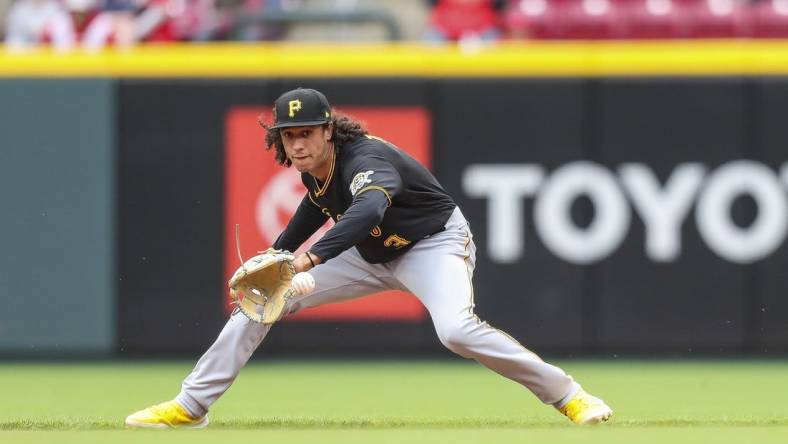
301 107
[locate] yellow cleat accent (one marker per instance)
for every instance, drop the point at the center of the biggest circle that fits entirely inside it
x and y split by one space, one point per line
586 409
168 414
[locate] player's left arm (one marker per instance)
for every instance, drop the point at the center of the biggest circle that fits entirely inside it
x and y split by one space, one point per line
375 183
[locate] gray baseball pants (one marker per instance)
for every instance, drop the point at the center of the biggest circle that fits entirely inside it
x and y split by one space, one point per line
438 271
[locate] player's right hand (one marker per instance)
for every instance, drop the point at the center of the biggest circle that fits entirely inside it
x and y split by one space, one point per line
302 262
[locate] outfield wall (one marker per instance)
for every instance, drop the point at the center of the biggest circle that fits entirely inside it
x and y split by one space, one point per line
57 188
615 211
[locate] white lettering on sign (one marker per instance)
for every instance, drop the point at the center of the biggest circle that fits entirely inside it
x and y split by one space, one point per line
554 221
504 187
663 208
766 233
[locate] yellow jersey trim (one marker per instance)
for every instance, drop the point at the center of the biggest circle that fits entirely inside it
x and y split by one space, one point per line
322 190
374 187
308 193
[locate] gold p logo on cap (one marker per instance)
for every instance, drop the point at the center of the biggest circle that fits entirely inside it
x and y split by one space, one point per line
295 105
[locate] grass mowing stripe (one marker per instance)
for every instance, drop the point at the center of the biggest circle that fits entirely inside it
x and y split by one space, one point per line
371 397
307 423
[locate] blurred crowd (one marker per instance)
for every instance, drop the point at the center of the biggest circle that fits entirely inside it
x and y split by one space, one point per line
94 24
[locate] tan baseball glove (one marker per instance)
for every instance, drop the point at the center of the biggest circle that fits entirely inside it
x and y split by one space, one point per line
261 286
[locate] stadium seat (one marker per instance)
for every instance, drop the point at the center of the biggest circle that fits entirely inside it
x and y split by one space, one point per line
654 19
769 19
592 19
717 19
533 19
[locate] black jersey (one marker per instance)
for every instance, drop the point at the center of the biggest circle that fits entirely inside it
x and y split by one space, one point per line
382 200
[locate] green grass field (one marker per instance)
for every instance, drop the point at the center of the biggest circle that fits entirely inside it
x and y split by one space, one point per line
412 402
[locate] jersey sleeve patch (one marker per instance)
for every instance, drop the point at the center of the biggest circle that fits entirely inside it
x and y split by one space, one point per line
359 181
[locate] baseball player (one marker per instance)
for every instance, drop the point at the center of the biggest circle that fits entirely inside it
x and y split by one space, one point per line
393 221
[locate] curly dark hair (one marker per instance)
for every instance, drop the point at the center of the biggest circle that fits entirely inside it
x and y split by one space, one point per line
346 129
